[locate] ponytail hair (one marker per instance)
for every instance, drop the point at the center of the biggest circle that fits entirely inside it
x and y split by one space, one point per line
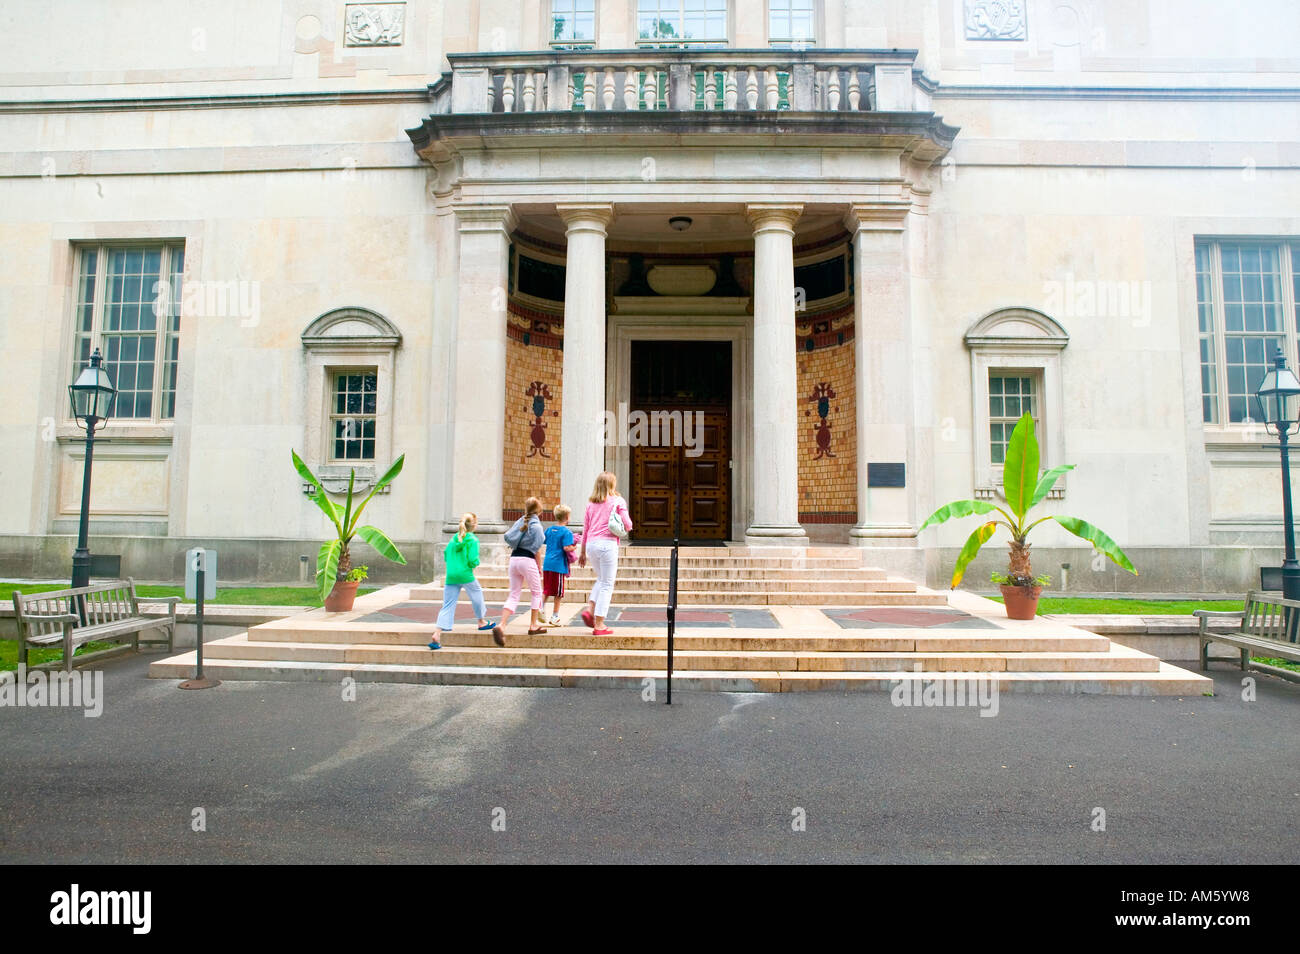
467 524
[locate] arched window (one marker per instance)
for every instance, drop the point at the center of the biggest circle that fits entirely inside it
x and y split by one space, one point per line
350 356
1015 368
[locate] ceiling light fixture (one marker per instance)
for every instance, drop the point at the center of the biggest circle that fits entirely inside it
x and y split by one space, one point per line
680 222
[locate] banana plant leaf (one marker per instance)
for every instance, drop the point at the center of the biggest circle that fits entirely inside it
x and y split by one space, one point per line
327 567
383 546
973 543
958 508
1020 467
319 498
1100 541
389 476
1047 482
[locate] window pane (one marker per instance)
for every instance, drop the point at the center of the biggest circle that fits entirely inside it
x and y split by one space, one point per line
1248 357
1010 396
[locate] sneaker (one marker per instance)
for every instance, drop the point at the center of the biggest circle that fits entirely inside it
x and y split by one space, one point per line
554 620
435 645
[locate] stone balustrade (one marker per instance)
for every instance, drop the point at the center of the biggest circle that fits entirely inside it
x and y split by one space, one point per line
700 80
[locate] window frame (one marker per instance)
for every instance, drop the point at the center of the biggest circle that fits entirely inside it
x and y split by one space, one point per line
168 247
334 373
721 42
548 26
1017 341
789 43
1288 249
1033 375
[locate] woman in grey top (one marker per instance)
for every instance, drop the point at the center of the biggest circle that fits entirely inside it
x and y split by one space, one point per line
527 538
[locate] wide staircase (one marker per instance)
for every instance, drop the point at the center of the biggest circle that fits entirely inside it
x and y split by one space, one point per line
770 621
732 576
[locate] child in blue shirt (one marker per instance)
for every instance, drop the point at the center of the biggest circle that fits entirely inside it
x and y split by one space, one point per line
560 545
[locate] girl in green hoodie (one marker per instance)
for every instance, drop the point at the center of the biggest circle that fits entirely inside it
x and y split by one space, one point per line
461 557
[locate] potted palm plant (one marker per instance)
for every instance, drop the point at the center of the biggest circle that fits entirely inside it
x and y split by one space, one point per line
1023 488
336 578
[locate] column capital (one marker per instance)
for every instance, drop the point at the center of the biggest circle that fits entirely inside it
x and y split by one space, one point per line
485 218
585 216
887 216
773 216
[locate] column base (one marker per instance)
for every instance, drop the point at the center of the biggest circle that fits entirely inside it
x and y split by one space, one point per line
894 548
775 535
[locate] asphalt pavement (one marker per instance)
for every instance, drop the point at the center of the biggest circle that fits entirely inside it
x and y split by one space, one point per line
294 772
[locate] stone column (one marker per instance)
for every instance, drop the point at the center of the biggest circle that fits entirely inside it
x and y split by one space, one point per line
582 425
776 457
479 367
883 375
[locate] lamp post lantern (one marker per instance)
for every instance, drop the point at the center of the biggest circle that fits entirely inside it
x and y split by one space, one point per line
92 401
1279 403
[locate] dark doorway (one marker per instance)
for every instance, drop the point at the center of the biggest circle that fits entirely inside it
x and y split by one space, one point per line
681 461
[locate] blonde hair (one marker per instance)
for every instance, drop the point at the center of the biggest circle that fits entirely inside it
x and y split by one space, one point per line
467 524
606 484
561 513
531 506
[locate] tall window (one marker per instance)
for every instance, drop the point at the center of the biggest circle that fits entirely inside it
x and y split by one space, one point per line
1010 396
128 306
790 23
573 22
1246 301
352 415
682 22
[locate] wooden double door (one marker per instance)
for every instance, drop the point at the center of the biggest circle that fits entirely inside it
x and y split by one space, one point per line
679 488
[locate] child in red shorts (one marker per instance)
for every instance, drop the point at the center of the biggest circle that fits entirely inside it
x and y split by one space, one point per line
560 545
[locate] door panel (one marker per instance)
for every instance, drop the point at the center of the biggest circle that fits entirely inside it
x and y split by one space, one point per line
704 483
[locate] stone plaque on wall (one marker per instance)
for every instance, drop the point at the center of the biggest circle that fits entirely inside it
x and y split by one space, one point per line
995 20
374 24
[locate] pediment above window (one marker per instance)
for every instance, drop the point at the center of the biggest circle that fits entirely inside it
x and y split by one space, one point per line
1017 329
350 328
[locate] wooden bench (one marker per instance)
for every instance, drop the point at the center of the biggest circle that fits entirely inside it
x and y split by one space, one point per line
1266 629
111 612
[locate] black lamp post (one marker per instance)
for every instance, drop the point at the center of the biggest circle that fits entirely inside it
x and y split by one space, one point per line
92 402
1279 403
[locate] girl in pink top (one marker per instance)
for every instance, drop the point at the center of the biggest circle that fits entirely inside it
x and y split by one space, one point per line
602 546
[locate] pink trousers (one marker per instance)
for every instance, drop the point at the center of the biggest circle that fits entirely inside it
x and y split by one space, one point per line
524 572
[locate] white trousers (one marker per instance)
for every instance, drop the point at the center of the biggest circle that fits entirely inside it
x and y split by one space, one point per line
603 556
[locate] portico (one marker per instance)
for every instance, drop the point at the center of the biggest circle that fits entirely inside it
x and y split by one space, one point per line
665 209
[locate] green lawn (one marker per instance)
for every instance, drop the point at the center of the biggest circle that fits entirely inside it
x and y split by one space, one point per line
236 595
1128 607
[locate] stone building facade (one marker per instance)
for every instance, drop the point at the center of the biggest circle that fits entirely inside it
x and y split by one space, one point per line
853 239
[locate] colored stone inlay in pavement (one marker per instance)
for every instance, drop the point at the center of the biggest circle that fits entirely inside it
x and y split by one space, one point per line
415 613
711 618
905 617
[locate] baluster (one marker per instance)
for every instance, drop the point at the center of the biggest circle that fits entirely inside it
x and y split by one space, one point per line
508 92
751 89
833 91
608 94
729 95
773 88
710 88
651 94
589 90
630 90
530 91
855 89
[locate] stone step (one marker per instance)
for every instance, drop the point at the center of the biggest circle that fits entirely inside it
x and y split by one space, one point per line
722 573
1114 659
639 585
1166 680
495 597
577 637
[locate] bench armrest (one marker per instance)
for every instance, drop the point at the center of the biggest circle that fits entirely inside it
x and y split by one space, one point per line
173 600
1218 614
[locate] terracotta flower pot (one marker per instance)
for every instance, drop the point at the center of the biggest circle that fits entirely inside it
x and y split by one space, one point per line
1021 601
341 597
